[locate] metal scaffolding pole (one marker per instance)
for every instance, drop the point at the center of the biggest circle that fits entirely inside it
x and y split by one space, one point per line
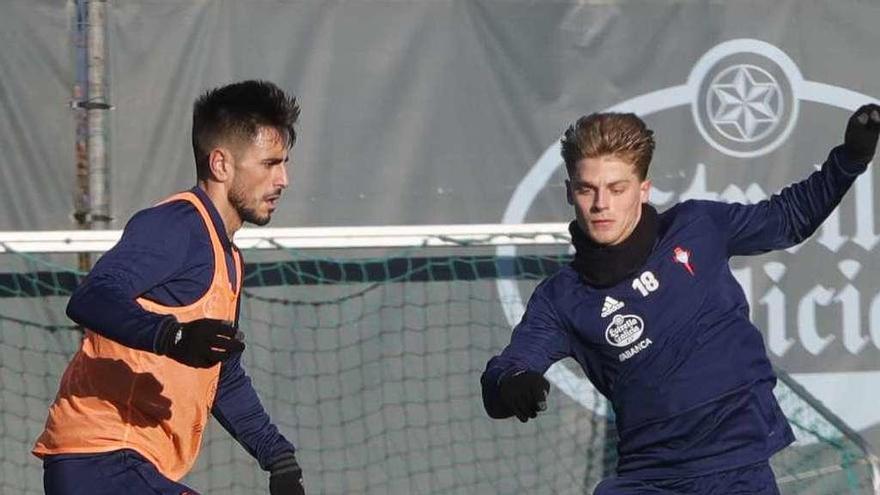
92 199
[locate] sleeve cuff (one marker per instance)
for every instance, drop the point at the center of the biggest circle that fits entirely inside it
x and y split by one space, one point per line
848 165
283 463
159 333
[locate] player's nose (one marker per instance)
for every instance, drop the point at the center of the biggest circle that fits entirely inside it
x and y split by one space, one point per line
282 180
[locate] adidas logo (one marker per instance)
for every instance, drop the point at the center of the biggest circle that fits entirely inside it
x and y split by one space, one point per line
610 306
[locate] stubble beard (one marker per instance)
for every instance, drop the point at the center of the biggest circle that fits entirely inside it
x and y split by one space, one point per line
237 198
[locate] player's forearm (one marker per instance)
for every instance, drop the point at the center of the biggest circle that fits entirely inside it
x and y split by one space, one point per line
103 305
812 200
239 410
806 204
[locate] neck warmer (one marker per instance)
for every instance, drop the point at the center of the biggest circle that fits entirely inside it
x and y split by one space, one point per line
604 266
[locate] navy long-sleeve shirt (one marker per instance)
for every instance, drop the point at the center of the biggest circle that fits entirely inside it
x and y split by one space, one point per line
165 255
672 346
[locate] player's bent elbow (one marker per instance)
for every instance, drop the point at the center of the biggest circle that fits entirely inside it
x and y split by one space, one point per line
75 308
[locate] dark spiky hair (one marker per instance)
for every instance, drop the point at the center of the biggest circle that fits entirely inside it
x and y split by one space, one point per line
233 114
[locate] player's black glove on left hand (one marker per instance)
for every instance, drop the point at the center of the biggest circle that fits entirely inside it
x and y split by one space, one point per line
286 477
860 140
199 343
525 393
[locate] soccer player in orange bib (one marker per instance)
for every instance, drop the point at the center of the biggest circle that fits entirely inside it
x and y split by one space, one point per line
161 347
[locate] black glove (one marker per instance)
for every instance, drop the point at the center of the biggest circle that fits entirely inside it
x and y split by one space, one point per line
525 393
860 139
286 477
198 343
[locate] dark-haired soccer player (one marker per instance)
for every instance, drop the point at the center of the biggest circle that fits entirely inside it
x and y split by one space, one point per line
161 348
650 310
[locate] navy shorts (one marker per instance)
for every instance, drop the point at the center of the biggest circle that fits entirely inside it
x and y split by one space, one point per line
120 471
757 479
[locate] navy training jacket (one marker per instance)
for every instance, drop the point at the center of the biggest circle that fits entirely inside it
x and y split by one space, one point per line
672 346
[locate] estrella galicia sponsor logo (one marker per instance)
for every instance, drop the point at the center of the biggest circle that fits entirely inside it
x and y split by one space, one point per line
632 351
624 330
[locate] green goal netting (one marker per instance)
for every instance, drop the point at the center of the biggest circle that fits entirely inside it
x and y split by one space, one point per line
369 360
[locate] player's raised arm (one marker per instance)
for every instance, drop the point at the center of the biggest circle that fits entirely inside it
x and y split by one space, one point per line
793 214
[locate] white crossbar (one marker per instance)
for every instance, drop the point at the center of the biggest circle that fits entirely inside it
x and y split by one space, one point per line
80 241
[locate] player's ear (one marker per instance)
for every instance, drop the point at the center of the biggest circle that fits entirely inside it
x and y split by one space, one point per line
568 196
220 162
644 190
